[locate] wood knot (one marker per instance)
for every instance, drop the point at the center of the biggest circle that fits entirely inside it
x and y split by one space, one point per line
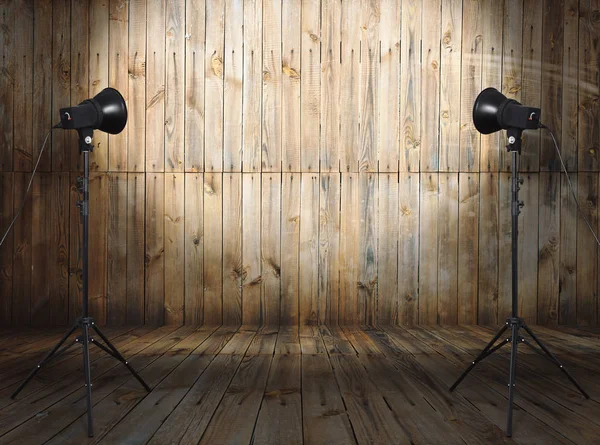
314 37
434 65
216 63
290 72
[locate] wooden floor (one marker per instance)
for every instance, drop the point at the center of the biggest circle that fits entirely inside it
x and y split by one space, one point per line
326 385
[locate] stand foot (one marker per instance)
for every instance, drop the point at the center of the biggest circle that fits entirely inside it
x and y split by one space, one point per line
85 339
515 325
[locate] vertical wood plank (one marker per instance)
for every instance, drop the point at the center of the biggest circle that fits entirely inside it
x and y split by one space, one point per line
549 249
155 87
349 89
290 247
450 86
41 195
234 61
331 13
136 211
493 22
174 248
118 78
291 31
367 259
587 250
311 312
448 260
310 81
23 86
175 91
75 264
252 87
410 86
388 249
567 284
512 63
271 248
389 86
528 248
136 87
61 80
430 94
251 305
552 80
22 261
42 81
271 86
118 202
195 25
408 248
97 242
7 190
349 234
213 248
369 78
468 246
233 266
80 57
329 245
570 74
193 248
589 85
532 79
487 308
474 41
504 248
98 74
155 249
428 249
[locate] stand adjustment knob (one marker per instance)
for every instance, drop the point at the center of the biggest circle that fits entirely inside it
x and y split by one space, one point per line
79 203
521 181
521 204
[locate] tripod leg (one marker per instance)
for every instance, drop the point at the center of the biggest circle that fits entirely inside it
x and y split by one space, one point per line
553 359
480 357
88 378
46 359
512 377
119 357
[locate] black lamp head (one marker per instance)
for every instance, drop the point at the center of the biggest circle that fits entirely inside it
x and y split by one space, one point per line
493 111
106 112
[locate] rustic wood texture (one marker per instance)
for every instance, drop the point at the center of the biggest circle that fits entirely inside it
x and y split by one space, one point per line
299 162
325 385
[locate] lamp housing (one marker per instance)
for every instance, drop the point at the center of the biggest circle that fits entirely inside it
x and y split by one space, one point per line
106 112
492 111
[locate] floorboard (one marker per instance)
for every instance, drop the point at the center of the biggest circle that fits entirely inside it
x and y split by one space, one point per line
268 385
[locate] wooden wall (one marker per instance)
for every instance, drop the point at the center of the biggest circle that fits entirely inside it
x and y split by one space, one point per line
299 161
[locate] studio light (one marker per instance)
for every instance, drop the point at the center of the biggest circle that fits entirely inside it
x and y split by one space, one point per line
105 112
493 111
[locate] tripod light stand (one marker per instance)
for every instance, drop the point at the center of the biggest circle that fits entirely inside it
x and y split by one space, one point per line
106 112
492 112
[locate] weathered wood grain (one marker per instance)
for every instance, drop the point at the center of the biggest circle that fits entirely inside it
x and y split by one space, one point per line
290 248
174 238
194 249
252 87
118 65
312 310
233 260
469 195
270 239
